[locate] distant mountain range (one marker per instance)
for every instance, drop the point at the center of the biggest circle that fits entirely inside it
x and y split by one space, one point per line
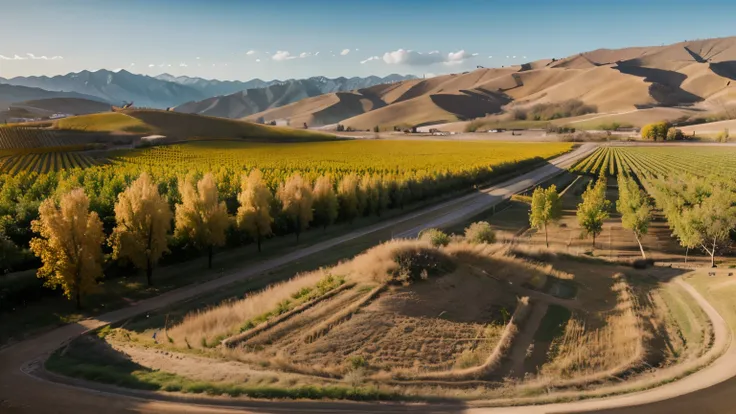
275 94
10 94
166 90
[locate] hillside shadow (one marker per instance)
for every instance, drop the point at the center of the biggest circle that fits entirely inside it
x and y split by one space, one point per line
469 105
725 69
695 56
665 84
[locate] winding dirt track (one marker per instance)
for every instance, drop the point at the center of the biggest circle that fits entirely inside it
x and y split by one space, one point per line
23 390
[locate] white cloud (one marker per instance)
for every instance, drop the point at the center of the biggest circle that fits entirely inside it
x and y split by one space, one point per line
34 57
304 54
197 57
357 50
258 60
475 54
151 65
250 52
182 65
15 57
458 57
282 55
413 58
345 52
490 57
132 64
316 54
369 59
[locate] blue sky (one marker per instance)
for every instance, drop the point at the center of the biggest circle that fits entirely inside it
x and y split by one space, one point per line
301 38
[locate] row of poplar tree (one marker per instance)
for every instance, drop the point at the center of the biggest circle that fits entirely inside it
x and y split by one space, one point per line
594 209
71 236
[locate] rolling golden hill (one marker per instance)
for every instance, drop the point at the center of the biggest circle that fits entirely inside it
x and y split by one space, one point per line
689 77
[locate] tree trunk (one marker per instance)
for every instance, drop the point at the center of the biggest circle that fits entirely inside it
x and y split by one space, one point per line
149 273
594 240
298 228
258 240
640 247
149 267
209 263
78 294
713 260
546 240
687 249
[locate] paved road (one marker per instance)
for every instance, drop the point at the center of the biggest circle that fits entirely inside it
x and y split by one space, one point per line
22 392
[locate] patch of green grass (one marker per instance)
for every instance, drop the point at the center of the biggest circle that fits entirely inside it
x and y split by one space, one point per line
326 284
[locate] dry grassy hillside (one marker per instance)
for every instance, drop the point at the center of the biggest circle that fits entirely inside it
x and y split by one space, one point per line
691 77
178 125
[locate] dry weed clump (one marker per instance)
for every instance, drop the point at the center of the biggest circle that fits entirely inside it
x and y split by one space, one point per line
400 261
612 348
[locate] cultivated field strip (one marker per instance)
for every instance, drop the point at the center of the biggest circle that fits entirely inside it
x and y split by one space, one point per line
45 162
659 162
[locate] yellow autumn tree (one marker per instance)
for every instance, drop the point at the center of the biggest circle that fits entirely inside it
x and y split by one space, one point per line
296 200
200 217
254 213
70 244
347 196
325 202
143 219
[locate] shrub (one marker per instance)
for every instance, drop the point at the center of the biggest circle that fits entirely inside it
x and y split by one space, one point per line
553 129
474 125
656 131
435 237
376 128
419 264
519 114
674 134
642 263
551 111
480 232
723 136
